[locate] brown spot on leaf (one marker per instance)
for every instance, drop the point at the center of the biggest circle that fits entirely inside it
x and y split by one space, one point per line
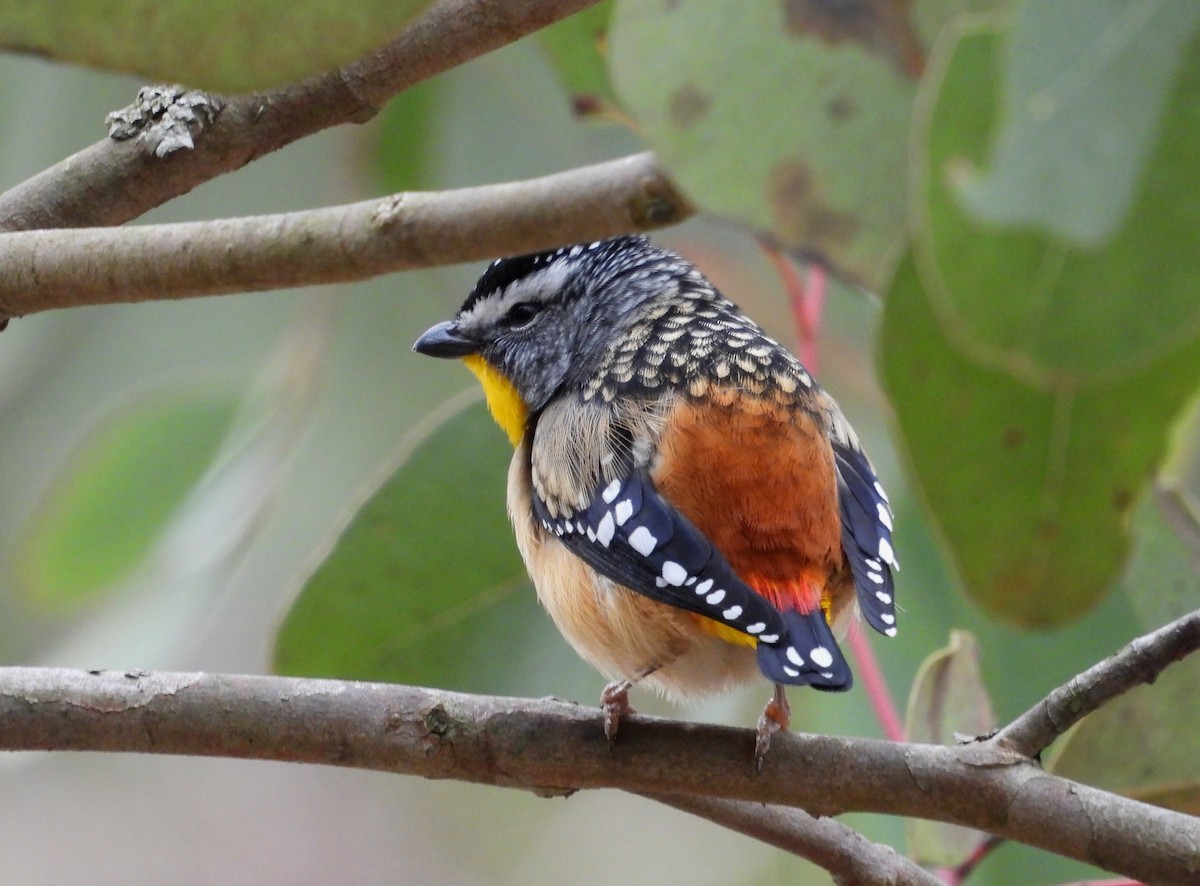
1122 498
688 105
1013 437
1047 530
800 214
586 104
883 27
841 106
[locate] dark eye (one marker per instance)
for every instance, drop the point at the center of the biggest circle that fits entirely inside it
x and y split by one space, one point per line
521 313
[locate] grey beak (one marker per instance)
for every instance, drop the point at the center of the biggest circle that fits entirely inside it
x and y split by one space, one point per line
444 340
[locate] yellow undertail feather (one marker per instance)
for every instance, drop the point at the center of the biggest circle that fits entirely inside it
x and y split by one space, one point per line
725 632
505 404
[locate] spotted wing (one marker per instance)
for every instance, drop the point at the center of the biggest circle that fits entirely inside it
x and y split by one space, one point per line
867 536
630 534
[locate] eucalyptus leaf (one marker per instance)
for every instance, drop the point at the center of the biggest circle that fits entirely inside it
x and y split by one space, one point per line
224 45
425 584
1036 380
116 493
948 702
791 118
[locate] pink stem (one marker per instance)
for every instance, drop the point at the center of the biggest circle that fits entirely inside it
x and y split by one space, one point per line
808 302
871 676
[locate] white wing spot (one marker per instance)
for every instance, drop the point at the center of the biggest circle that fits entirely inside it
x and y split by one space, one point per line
794 657
875 577
756 628
623 510
604 532
883 597
879 489
714 598
886 554
791 672
642 541
673 573
828 675
890 632
703 587
885 516
769 638
821 656
591 534
887 618
611 491
872 564
732 612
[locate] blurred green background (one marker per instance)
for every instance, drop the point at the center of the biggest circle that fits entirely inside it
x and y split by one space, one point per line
172 473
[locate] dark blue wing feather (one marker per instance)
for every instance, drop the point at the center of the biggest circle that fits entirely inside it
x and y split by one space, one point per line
630 534
867 537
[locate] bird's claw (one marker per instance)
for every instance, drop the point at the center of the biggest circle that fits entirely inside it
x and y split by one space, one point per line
614 702
776 717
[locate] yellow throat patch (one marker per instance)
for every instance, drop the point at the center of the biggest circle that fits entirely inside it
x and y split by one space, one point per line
505 404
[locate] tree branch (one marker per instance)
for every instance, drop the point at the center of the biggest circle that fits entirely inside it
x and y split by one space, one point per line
841 850
549 745
1139 662
66 268
112 182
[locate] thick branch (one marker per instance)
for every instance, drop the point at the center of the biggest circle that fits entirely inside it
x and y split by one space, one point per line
849 856
65 268
112 182
549 745
1139 662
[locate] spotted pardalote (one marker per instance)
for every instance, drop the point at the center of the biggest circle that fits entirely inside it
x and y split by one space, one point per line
694 510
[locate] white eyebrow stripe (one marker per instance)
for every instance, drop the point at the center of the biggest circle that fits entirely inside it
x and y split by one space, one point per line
541 285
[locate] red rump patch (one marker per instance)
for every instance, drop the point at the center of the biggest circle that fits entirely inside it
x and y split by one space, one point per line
802 594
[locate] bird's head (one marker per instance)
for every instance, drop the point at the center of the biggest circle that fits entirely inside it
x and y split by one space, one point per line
535 324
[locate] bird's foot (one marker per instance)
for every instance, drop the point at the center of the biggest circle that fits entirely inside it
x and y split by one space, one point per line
776 717
614 702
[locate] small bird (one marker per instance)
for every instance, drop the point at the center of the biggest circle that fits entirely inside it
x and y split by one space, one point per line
694 510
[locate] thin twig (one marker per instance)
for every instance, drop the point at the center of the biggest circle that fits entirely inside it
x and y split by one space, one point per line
849 856
112 182
67 268
1139 662
549 745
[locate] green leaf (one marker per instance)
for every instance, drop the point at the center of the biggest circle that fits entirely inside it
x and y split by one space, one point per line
1142 743
1084 92
1163 765
577 49
1034 385
790 117
226 45
1036 304
1163 578
947 700
115 495
425 585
